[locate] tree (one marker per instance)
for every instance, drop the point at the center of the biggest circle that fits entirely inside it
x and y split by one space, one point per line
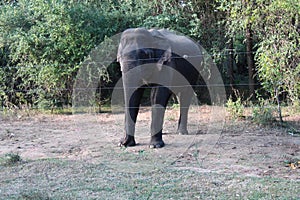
42 43
45 41
278 56
275 25
239 19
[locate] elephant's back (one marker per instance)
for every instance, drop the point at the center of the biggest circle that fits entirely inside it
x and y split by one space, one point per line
181 45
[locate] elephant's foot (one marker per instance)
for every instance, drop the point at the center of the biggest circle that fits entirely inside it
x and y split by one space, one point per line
127 141
182 132
156 141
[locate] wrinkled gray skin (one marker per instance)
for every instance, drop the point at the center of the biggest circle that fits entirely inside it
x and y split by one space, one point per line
156 58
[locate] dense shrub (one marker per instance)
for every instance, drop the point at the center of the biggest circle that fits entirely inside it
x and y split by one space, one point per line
43 42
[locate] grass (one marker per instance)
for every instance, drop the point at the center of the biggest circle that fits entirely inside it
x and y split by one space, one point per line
26 112
262 113
62 179
235 108
10 159
66 179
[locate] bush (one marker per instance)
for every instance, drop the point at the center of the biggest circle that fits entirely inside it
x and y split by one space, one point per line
10 159
45 41
235 108
263 113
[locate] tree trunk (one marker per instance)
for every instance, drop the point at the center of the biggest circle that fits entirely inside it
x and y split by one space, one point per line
278 106
230 65
250 60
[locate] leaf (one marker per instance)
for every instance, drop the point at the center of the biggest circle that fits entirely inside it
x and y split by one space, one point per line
293 166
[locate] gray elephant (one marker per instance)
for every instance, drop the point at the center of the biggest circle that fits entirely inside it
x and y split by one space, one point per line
168 63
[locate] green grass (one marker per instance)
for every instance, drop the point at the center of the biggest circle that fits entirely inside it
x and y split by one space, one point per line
10 159
61 179
21 113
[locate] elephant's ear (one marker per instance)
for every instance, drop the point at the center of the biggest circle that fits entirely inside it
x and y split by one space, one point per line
166 57
119 53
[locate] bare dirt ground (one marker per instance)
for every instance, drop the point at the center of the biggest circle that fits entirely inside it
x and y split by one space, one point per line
240 147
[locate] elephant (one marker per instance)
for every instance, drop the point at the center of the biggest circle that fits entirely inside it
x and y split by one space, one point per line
166 62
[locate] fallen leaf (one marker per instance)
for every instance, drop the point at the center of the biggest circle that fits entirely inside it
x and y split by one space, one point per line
293 166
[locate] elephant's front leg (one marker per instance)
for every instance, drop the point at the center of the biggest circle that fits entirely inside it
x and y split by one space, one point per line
132 103
159 99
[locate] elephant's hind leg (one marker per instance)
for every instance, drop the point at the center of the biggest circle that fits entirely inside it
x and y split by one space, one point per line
185 101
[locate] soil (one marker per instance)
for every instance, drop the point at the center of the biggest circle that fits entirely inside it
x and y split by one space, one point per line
214 144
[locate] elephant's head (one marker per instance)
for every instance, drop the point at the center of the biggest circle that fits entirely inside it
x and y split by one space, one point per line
140 46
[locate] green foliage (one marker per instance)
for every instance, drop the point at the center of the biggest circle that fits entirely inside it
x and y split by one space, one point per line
278 53
43 43
46 41
10 159
296 107
175 17
275 26
235 108
263 112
